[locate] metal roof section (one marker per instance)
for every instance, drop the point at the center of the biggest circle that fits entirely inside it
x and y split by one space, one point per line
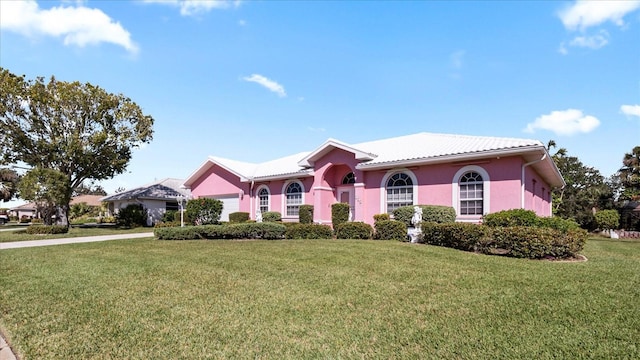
410 150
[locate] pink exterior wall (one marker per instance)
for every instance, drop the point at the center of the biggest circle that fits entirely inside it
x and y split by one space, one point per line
435 186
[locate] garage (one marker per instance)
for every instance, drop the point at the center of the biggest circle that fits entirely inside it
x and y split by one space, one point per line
230 204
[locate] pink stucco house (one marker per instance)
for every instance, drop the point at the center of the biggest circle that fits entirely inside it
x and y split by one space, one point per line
475 175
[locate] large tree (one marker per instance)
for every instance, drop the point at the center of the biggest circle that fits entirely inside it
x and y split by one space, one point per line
8 184
80 130
629 175
586 190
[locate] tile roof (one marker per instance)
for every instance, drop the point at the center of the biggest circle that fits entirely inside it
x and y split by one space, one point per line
159 190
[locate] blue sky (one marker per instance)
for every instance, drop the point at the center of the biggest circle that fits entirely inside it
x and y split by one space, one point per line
257 80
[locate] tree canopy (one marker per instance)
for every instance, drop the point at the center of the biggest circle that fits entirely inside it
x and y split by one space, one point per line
629 175
80 130
8 184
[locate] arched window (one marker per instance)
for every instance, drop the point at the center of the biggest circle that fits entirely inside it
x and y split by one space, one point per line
399 191
293 200
471 194
263 199
349 179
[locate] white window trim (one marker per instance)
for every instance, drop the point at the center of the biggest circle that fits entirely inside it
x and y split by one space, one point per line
383 187
284 198
258 197
486 194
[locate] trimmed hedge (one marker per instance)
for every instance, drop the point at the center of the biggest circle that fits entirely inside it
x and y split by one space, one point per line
339 214
47 229
513 217
238 217
390 230
532 242
308 231
204 211
430 213
267 231
354 230
381 217
271 216
305 214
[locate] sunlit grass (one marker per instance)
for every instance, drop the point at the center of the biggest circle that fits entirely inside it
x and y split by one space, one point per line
316 299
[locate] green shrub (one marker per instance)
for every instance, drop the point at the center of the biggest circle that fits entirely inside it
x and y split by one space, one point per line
161 224
607 219
461 236
108 220
537 243
169 216
339 214
513 217
267 231
271 216
37 221
438 214
204 211
131 216
305 215
354 230
308 231
25 219
238 217
390 230
381 217
47 229
558 223
404 214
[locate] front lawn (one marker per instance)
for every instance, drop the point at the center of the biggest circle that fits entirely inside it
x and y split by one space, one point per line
147 299
21 235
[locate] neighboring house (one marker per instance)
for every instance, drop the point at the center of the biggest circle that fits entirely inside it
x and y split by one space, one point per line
29 210
157 198
475 175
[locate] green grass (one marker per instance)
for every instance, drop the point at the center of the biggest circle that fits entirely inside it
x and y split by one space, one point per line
142 299
21 235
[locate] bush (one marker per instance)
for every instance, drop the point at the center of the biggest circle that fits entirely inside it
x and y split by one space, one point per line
305 215
37 221
238 217
354 230
513 217
339 214
390 230
404 214
161 224
25 219
438 214
204 211
461 236
271 216
131 216
380 217
267 231
558 223
308 231
108 220
47 229
607 219
169 216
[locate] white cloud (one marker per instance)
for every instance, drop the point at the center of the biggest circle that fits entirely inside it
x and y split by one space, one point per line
567 122
77 25
457 59
562 49
630 110
267 83
592 42
584 14
195 7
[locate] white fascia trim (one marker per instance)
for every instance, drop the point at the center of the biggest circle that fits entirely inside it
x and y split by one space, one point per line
447 158
359 154
486 190
281 176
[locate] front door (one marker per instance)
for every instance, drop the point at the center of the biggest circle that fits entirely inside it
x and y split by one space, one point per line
346 195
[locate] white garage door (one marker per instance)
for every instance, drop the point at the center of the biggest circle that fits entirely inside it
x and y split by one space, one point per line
230 204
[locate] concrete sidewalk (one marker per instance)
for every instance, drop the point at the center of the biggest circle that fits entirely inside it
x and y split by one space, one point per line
76 240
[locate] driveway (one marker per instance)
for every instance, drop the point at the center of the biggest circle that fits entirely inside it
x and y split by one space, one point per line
76 240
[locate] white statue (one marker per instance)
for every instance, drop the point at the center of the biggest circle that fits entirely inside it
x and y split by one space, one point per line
416 219
258 216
